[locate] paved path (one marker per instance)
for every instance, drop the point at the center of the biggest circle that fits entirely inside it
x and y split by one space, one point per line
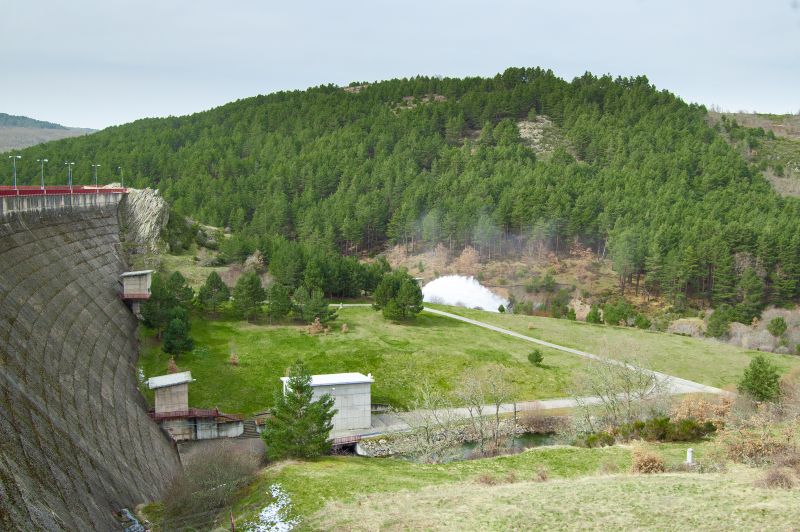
677 385
385 423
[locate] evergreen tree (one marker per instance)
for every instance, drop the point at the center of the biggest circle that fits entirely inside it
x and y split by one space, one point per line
213 293
311 305
594 315
176 336
777 326
299 426
761 380
156 310
280 304
179 290
398 296
248 295
719 322
751 290
724 281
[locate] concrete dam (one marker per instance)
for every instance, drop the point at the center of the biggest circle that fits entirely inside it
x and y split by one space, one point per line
76 442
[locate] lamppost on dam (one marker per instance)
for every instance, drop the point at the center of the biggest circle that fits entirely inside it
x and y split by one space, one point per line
14 162
69 173
95 167
42 161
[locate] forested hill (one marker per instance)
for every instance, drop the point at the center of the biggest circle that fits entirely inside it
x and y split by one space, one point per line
7 120
637 172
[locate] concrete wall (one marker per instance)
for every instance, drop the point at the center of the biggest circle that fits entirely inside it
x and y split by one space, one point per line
230 430
58 202
352 402
179 429
172 398
76 442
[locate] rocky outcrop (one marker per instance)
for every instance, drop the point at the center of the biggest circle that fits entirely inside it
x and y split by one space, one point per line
76 442
144 215
694 327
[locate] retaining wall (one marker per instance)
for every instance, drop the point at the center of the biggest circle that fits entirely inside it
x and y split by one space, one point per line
75 439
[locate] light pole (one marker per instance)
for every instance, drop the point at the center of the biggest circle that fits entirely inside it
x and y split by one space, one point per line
14 162
42 161
69 174
95 167
121 177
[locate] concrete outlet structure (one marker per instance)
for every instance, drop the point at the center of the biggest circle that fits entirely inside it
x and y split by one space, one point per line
352 396
182 422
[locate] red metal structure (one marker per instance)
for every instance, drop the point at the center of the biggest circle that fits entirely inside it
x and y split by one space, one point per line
58 190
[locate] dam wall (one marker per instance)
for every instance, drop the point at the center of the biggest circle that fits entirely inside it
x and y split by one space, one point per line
76 443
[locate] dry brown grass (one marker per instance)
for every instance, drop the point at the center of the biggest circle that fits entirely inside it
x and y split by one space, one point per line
777 478
625 502
645 461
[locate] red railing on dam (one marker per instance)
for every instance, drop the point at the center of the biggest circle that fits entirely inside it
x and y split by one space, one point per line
58 190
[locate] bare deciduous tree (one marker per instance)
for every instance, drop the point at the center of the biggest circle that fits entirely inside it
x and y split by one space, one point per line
611 393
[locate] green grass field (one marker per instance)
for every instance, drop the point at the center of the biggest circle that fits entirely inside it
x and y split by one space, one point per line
328 492
702 360
398 356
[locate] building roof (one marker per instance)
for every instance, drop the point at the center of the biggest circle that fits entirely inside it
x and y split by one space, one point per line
136 274
331 379
173 379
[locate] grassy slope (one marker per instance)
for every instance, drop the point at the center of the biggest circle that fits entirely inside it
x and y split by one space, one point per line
706 361
397 355
341 481
685 501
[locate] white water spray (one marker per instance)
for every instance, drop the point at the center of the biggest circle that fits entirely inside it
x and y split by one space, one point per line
461 291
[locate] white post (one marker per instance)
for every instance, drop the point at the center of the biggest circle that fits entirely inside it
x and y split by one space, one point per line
689 456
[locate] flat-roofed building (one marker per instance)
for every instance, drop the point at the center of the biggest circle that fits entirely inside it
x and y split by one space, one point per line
352 397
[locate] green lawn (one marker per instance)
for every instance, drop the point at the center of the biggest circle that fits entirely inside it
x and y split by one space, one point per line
398 356
702 360
312 485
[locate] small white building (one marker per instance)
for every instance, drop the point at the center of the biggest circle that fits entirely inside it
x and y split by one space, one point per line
136 285
352 396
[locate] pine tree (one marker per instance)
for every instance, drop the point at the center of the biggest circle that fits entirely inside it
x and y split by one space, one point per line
214 292
399 296
751 290
280 304
299 426
311 305
176 337
248 295
723 289
761 380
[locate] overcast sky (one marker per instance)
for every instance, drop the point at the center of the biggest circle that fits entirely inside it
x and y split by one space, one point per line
97 63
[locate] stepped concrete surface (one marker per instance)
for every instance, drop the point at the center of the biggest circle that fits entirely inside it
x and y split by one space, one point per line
77 443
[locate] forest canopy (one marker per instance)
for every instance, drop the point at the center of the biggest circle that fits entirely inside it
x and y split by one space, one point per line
640 175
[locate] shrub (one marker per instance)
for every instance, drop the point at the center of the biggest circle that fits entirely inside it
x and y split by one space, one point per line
208 483
719 322
345 328
542 474
777 326
776 478
760 380
501 309
599 439
233 360
536 357
641 322
594 315
646 462
701 410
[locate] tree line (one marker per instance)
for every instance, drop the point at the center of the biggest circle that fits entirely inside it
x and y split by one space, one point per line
642 177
